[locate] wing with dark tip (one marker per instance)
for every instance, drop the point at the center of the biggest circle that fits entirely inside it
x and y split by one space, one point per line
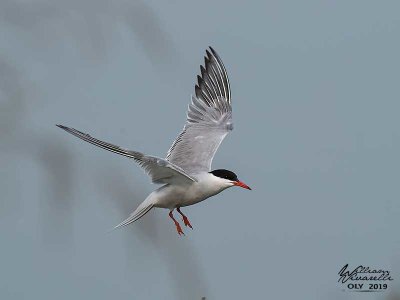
159 169
209 118
213 83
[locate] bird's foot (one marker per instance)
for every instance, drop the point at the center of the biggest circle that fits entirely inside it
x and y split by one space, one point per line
179 229
186 222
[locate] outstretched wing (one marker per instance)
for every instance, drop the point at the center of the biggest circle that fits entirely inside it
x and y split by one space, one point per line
159 169
209 119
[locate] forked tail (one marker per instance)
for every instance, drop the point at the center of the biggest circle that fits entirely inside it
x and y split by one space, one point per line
142 209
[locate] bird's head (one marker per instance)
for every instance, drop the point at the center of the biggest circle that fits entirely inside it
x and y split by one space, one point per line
229 178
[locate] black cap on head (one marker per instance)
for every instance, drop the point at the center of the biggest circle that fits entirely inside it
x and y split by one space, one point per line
222 173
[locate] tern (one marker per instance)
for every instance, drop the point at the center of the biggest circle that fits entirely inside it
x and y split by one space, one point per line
186 172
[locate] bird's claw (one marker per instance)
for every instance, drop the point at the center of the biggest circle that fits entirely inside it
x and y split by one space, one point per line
186 222
179 229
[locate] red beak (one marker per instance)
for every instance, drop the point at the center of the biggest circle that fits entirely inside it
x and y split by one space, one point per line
241 184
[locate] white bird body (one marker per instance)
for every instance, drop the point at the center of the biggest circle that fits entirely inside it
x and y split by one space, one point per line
173 196
186 170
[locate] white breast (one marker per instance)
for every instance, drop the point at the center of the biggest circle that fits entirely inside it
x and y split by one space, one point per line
172 196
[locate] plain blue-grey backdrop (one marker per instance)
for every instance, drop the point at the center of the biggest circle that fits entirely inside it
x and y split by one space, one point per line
315 87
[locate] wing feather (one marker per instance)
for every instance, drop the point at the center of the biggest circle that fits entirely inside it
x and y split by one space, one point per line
209 118
159 169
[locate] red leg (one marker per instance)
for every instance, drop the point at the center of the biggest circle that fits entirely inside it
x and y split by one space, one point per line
178 227
184 218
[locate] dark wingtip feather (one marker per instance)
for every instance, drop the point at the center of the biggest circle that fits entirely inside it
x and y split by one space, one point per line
209 55
213 51
199 80
223 69
215 54
213 82
197 91
202 70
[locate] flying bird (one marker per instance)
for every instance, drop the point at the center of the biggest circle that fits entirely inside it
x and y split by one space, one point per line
186 172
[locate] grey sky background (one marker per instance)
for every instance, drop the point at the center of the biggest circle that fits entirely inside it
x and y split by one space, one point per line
315 87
